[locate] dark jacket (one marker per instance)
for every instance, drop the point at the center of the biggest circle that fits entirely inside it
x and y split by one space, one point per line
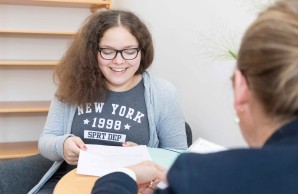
269 170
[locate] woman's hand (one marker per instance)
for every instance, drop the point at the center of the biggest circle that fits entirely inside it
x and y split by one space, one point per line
148 174
71 148
129 144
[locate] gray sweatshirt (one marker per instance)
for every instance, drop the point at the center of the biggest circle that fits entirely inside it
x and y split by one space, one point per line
165 117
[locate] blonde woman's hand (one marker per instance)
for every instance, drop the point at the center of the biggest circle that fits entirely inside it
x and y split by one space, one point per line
71 148
148 174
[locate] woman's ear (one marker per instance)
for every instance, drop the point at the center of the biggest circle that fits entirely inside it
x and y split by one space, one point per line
242 92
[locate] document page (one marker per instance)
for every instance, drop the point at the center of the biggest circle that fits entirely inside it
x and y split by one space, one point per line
203 146
164 157
99 160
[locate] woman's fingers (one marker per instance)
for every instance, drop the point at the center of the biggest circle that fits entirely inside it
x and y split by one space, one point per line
129 144
72 146
147 171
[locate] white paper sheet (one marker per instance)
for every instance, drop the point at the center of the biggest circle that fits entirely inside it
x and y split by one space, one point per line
203 146
99 160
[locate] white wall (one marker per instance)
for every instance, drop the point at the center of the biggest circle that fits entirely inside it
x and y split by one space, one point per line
190 39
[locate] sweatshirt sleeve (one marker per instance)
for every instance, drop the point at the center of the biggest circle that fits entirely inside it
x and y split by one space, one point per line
52 138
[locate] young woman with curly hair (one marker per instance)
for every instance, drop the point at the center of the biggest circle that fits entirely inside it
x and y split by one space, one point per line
105 95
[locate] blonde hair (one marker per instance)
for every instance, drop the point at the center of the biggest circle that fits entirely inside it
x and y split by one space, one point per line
268 58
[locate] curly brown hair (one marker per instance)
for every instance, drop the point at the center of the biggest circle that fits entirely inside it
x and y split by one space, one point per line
78 76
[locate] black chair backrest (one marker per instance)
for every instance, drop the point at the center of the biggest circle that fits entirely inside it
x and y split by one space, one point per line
188 134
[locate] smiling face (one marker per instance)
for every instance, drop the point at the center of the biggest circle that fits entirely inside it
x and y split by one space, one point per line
119 73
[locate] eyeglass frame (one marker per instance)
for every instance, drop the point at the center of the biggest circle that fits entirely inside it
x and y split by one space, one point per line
118 51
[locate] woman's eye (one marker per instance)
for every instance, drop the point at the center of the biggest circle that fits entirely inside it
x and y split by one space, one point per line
107 51
129 51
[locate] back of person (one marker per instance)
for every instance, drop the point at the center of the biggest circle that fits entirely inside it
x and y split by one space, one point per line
266 102
257 171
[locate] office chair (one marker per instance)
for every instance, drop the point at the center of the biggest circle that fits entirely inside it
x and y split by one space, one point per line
19 176
188 134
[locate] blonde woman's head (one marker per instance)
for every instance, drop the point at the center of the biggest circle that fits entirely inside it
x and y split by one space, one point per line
268 58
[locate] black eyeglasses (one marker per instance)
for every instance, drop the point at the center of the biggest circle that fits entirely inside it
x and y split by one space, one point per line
127 54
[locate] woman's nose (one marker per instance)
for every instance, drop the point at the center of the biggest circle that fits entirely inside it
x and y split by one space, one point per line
118 59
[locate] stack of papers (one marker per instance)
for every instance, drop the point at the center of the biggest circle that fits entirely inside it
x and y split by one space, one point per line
99 160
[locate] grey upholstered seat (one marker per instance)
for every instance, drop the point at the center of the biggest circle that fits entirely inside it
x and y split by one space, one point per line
19 176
